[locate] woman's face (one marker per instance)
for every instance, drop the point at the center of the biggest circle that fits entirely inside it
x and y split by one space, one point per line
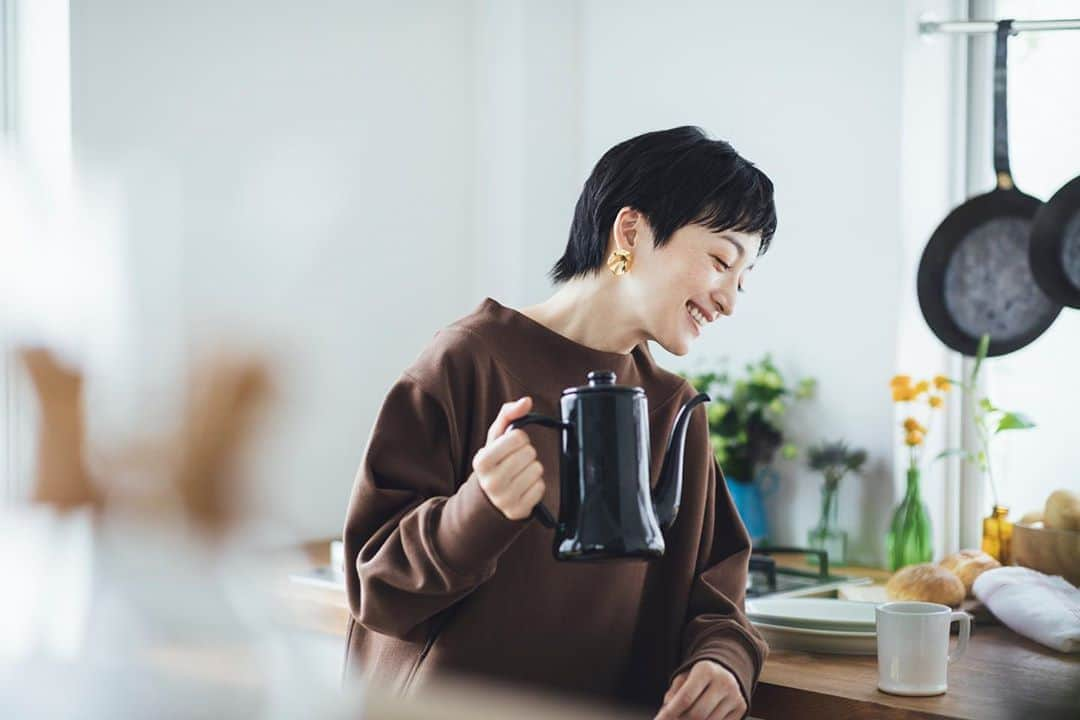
682 288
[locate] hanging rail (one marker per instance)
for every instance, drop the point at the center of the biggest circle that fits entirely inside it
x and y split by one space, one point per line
927 27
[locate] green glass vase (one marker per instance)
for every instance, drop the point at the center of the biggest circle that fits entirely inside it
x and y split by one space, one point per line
910 539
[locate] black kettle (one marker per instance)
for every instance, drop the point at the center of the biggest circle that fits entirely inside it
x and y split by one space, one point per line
606 508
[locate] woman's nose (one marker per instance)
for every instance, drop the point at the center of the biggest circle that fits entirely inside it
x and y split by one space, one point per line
724 303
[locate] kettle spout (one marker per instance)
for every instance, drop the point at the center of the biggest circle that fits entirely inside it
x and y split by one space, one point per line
668 492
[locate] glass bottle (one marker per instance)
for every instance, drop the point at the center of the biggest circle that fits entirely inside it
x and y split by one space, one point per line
826 535
997 535
910 539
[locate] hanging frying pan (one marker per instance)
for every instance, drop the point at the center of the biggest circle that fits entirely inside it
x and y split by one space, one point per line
974 277
1055 245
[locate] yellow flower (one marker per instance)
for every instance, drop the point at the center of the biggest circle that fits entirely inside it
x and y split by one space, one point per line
915 437
935 401
912 425
942 383
920 387
900 381
902 393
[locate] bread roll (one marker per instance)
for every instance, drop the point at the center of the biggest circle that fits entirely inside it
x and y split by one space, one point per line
926 582
1062 511
968 565
1030 518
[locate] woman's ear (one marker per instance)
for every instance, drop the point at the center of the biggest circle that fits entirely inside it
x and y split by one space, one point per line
627 225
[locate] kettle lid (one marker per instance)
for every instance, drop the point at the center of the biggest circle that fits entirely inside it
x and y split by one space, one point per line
602 381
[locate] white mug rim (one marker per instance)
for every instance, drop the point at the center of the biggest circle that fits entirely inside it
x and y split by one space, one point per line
913 608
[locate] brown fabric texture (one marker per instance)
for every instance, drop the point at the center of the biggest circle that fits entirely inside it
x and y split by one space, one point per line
440 582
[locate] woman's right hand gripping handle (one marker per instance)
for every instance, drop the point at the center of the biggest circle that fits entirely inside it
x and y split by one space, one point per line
506 467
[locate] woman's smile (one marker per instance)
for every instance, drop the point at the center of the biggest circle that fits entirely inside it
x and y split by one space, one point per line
693 323
698 318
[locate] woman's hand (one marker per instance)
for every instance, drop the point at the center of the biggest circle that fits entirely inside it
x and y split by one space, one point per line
507 468
707 691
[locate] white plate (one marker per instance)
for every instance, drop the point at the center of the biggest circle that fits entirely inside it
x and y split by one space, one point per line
814 613
834 642
864 593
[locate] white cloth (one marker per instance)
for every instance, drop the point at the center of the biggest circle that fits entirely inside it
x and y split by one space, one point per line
1045 608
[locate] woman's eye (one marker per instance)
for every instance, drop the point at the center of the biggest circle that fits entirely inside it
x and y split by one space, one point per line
721 262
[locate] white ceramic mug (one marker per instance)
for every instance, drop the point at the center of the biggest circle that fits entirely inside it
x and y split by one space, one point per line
913 646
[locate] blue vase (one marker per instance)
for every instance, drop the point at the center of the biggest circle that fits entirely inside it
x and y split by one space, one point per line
749 498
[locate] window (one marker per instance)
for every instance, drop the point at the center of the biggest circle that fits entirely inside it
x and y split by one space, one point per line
8 436
1041 380
35 124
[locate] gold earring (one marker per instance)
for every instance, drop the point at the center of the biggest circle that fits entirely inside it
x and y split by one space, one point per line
619 262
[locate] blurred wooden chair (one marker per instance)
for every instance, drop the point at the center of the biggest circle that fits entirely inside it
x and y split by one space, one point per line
225 396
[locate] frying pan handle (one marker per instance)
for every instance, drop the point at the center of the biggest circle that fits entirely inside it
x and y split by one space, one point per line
1001 110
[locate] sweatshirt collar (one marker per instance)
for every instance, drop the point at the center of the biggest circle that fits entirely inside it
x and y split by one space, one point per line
533 348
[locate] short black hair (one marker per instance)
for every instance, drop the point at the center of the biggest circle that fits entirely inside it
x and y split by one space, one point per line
674 178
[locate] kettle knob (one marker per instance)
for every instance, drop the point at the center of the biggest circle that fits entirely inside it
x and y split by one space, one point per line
601 377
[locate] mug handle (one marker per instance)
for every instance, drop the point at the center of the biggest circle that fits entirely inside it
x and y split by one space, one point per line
540 512
965 632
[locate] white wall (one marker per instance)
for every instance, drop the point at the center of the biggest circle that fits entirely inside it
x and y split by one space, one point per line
295 173
527 69
348 180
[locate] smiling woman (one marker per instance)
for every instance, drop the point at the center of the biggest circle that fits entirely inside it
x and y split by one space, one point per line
445 571
688 213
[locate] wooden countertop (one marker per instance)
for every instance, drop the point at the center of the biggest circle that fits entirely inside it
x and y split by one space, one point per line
1002 674
312 608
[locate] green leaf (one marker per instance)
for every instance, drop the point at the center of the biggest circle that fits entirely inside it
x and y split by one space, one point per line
758 398
764 394
986 405
789 451
716 413
1014 421
805 388
855 460
955 451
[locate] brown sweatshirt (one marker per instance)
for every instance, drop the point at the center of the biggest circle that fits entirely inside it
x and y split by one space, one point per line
440 580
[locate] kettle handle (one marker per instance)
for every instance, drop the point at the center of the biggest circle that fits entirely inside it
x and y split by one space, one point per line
540 512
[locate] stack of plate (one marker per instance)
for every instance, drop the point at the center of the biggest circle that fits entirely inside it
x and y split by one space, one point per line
842 627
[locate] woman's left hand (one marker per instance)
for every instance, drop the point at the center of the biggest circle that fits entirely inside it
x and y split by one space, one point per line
707 691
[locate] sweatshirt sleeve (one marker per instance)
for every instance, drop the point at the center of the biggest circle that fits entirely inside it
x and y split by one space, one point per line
418 537
717 628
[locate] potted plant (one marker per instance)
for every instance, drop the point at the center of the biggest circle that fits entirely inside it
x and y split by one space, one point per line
833 460
989 421
745 430
910 538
